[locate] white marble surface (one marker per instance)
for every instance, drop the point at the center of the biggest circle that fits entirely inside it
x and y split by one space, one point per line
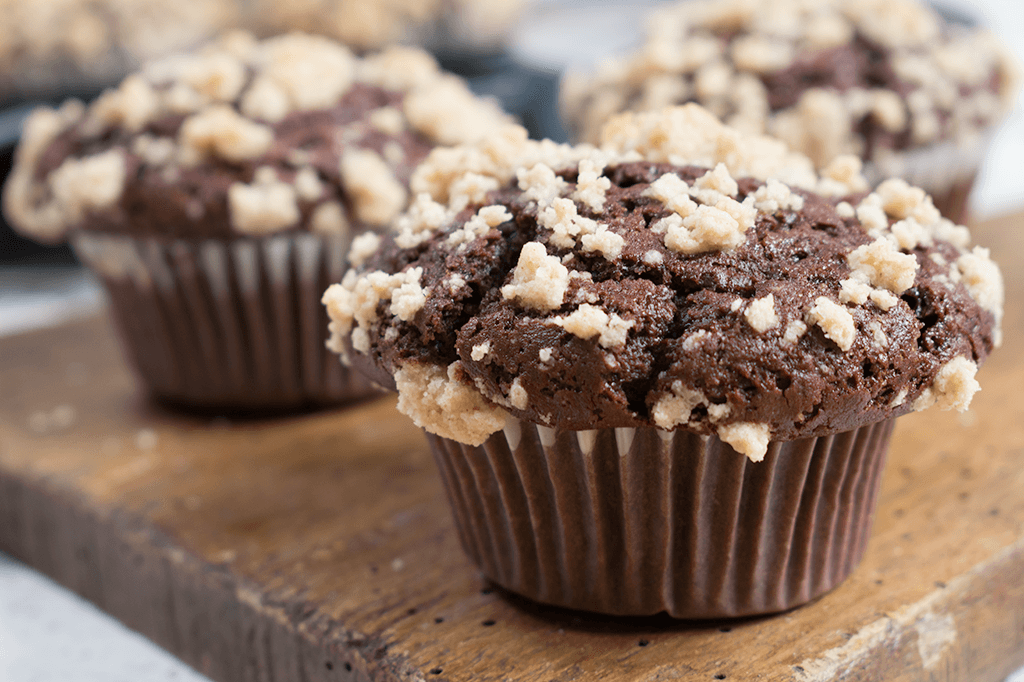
31 298
48 634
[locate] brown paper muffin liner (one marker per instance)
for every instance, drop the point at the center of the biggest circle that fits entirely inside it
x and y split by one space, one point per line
227 325
945 170
640 521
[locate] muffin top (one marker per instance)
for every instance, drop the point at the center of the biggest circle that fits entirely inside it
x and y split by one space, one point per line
243 138
830 77
583 288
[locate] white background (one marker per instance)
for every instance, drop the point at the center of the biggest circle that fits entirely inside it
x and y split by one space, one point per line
48 634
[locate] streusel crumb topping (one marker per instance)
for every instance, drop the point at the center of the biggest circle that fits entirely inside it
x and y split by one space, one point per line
176 148
732 303
830 77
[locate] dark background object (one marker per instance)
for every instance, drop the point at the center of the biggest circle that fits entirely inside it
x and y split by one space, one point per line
529 94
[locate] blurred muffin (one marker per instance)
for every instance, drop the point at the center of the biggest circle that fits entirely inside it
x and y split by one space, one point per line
446 25
57 47
216 195
661 375
54 47
890 81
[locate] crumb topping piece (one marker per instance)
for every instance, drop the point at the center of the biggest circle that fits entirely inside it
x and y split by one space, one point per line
517 395
794 330
854 291
540 184
835 320
747 438
379 196
692 135
708 228
362 248
480 224
480 351
954 387
761 315
672 191
220 131
984 281
419 223
89 184
539 280
589 321
409 298
591 185
694 340
309 72
352 305
438 401
268 205
329 219
880 264
776 196
676 406
563 219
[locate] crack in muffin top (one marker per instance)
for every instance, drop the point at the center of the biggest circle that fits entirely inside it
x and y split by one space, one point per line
583 288
243 138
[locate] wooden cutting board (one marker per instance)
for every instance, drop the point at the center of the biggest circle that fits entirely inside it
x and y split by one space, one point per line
320 547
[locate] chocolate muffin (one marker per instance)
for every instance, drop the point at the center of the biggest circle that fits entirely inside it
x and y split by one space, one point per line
216 195
890 81
57 47
661 375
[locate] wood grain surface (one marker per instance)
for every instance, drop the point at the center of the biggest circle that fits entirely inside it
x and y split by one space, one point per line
320 547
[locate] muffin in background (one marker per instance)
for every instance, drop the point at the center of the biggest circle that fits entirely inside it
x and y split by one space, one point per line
61 47
891 81
661 375
479 26
52 48
217 193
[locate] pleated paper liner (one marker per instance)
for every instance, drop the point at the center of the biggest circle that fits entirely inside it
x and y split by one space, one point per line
945 170
231 325
641 521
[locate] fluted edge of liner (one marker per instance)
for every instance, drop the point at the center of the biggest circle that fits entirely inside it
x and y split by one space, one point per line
641 521
232 325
